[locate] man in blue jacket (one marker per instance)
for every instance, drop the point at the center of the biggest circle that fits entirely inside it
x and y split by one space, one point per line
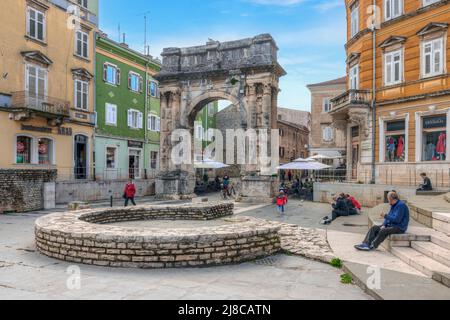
395 222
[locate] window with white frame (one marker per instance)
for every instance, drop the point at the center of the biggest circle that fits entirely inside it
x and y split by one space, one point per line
154 123
111 74
83 3
395 141
428 2
354 21
393 67
392 9
36 81
82 44
199 132
45 151
35 24
111 155
153 159
326 105
153 89
81 94
111 114
135 119
433 57
24 150
134 82
327 134
354 77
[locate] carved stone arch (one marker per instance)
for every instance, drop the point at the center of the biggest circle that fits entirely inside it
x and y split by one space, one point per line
244 72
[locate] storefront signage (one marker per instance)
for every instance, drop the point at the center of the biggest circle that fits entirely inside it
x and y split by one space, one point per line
135 144
435 122
81 116
63 131
396 126
366 145
37 129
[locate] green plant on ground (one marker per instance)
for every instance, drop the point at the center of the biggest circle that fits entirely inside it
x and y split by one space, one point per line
346 278
337 263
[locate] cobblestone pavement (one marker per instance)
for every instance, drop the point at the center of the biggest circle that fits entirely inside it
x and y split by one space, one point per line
25 274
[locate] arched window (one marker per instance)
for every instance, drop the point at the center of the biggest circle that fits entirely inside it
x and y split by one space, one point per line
45 151
24 150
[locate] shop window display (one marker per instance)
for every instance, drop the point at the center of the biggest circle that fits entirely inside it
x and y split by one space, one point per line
395 141
434 139
23 150
45 151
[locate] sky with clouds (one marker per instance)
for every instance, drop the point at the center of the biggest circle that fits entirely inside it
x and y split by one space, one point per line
310 33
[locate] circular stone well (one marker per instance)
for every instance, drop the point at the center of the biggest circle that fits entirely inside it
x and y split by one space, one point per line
88 237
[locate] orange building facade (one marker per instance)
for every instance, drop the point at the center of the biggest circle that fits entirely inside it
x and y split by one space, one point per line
402 130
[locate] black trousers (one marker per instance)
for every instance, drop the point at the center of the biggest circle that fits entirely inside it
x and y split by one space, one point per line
338 213
377 235
128 199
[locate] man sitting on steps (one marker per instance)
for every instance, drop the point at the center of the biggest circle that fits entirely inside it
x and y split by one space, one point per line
395 222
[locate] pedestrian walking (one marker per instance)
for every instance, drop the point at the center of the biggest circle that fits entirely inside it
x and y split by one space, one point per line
129 193
281 202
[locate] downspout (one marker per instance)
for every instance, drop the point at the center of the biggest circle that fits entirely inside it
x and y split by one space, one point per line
95 108
374 91
146 119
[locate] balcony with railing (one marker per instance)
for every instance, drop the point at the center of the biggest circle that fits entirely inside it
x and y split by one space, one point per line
349 99
25 105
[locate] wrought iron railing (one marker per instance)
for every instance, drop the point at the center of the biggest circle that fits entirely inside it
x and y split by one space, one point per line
351 97
35 102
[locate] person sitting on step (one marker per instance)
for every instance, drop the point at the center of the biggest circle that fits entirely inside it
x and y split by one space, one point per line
426 185
395 222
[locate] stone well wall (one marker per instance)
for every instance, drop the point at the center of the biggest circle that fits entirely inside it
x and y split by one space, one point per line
21 190
71 238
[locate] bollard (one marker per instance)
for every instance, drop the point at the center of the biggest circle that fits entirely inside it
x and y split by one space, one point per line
111 201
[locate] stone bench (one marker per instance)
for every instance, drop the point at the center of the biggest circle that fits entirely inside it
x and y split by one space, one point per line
430 193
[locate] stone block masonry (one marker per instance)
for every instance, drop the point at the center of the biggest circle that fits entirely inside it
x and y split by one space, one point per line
83 237
21 190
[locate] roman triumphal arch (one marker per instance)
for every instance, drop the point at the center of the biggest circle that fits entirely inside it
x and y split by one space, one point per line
245 72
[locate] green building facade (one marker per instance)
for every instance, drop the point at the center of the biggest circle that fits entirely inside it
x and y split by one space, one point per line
127 134
206 119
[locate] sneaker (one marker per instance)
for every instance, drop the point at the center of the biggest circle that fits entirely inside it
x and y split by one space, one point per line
362 247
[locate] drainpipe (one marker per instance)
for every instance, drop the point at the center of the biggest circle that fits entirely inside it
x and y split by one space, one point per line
146 118
95 107
374 92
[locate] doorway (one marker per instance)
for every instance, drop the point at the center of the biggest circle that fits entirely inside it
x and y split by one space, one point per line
355 152
80 156
134 158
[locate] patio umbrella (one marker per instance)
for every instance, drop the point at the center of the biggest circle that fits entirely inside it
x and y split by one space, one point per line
304 165
209 164
321 157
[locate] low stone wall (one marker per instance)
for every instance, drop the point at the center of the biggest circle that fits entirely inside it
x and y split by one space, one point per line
71 238
68 191
368 195
21 190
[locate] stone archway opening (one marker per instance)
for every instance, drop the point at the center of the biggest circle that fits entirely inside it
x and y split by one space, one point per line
245 72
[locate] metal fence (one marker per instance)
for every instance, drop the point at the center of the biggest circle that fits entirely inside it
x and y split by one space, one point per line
440 177
101 173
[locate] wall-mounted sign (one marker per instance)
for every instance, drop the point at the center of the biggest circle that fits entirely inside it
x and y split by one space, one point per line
135 144
395 126
37 129
81 116
366 145
435 122
63 131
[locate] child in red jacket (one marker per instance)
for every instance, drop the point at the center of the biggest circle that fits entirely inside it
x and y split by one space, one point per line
281 202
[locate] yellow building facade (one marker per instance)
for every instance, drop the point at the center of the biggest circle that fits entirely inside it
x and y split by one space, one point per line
47 55
403 128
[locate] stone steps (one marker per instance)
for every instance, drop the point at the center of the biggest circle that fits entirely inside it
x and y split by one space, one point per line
431 211
420 262
441 240
432 251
